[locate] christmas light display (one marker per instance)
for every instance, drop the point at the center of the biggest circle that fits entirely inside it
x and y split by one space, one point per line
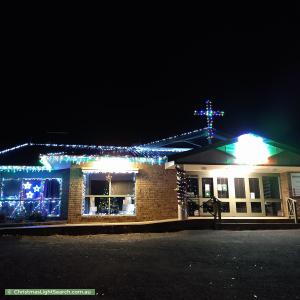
210 114
14 148
81 159
137 150
26 169
132 154
182 135
34 196
182 185
182 192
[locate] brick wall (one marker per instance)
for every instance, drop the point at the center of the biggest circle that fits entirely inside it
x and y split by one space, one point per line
75 195
155 193
155 196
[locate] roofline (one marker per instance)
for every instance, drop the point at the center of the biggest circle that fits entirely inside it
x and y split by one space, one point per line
99 147
233 140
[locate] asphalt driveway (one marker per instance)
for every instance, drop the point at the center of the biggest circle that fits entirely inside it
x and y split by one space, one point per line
183 265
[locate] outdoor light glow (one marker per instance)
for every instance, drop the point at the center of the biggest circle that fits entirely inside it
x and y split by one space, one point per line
113 165
251 150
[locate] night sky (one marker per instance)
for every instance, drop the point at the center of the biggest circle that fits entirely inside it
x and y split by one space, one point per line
133 84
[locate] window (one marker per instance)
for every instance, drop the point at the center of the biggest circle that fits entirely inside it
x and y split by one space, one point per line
271 187
207 187
109 194
273 209
295 179
223 188
254 188
239 185
241 207
52 188
11 189
193 186
21 198
208 207
225 207
99 187
256 207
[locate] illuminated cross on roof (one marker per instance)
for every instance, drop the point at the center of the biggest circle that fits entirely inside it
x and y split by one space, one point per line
210 114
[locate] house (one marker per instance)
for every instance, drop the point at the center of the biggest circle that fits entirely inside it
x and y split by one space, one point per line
251 175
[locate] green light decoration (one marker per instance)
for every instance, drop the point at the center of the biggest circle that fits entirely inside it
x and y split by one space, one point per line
250 149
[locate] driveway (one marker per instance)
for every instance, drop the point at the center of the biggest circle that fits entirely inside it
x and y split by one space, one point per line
200 264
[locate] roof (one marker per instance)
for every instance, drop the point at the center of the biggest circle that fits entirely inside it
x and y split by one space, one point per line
228 147
192 139
28 154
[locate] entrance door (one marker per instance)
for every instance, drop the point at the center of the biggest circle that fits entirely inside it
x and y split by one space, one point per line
255 195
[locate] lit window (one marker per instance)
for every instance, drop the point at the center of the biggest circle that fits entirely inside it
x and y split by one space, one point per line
239 185
223 188
256 207
271 187
241 207
193 186
107 194
207 187
225 207
254 188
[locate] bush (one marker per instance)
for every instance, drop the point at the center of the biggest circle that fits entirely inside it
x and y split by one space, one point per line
191 207
2 218
37 216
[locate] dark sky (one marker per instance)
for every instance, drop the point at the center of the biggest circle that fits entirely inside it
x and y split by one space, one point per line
130 84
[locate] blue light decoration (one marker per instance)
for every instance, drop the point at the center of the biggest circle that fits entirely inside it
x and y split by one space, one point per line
32 189
210 114
27 169
137 154
14 148
30 195
141 150
82 159
181 135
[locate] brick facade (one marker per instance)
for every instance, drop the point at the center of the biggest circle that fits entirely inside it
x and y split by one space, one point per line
75 195
155 196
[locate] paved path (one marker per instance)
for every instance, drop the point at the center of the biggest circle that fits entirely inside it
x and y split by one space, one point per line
181 265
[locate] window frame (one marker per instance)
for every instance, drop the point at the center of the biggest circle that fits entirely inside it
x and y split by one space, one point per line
110 197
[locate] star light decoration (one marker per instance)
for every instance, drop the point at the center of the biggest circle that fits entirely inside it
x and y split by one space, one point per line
36 188
210 114
27 185
29 195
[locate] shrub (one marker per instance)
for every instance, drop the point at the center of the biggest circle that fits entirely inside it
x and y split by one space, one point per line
37 216
2 218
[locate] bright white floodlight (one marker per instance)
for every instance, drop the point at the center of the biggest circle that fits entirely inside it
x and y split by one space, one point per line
251 150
